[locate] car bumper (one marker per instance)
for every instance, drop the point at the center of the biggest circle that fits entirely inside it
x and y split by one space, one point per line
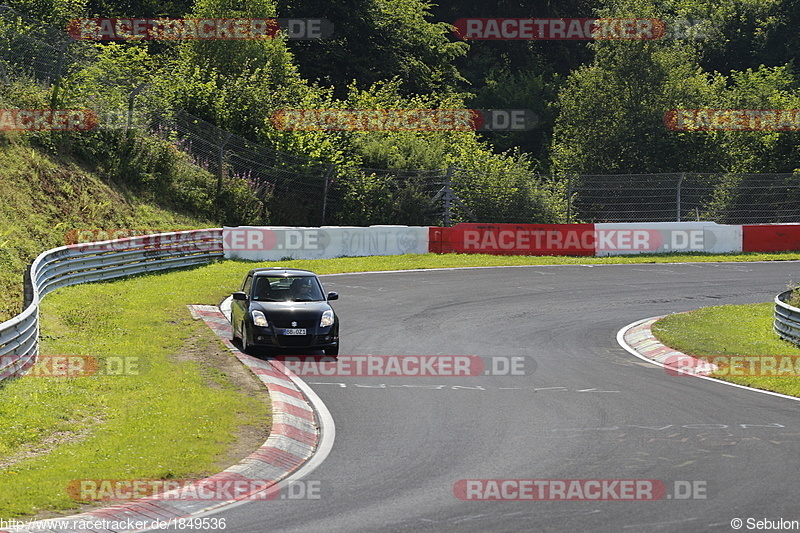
317 340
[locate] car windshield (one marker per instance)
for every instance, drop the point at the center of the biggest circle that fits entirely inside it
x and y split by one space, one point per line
287 289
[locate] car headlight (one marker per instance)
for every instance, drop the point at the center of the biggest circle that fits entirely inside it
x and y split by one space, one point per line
327 319
259 319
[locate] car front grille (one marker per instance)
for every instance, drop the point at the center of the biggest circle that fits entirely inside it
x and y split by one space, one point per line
298 341
283 324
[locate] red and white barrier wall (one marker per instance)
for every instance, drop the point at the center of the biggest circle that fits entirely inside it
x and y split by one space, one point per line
771 238
664 237
613 238
277 243
514 239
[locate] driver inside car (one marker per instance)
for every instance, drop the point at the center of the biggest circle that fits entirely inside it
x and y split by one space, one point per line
301 289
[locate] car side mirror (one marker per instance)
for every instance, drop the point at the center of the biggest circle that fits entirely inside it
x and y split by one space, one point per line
239 295
333 296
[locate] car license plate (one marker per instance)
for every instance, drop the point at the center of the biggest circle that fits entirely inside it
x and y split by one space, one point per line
295 331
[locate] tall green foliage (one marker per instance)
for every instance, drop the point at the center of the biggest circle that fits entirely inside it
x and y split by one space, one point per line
600 104
377 40
763 88
611 112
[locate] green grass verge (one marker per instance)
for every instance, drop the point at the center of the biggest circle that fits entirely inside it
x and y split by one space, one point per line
744 330
413 261
173 420
178 418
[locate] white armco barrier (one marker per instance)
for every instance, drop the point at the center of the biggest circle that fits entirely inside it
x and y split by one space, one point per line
661 237
276 243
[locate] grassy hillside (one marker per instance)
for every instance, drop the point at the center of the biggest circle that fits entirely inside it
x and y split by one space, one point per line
43 196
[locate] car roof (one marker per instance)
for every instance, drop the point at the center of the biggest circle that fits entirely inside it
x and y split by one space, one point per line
280 271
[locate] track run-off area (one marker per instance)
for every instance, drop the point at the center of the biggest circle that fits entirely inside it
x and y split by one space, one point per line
581 435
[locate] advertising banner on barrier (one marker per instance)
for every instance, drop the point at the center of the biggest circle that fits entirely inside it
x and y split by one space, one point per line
278 243
663 237
771 238
587 239
515 239
275 243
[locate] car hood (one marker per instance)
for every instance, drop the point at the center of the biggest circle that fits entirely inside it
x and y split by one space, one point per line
291 310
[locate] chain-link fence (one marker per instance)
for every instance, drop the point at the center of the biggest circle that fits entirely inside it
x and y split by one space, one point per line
29 49
723 198
296 190
37 51
366 196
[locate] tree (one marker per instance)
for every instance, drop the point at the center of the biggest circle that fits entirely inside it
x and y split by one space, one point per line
760 151
138 8
611 112
376 40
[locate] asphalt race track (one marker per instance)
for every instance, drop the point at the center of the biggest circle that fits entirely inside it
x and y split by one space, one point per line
584 408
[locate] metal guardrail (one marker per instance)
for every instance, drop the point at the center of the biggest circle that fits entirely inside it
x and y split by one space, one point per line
96 261
787 318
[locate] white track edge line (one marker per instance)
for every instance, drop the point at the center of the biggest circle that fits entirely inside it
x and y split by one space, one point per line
628 348
327 434
440 269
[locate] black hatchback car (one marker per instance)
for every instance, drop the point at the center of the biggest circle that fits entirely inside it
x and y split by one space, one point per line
284 308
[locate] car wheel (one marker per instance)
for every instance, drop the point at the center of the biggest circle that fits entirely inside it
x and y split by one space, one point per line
246 346
332 351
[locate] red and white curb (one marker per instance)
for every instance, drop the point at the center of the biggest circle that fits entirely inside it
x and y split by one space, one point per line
293 439
640 339
294 431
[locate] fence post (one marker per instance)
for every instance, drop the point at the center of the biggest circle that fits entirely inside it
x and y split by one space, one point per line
131 98
221 166
678 202
327 177
447 196
569 198
27 285
62 51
